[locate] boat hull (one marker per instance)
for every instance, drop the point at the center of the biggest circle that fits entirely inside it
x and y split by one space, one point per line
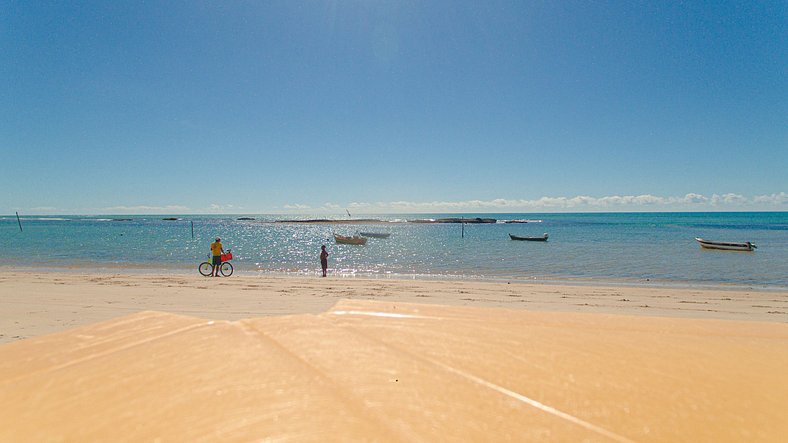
725 246
355 240
516 237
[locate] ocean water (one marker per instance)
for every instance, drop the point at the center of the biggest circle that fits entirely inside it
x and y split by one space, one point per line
656 248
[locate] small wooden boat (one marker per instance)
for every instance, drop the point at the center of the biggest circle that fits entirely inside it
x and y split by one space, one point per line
374 234
725 246
354 240
517 237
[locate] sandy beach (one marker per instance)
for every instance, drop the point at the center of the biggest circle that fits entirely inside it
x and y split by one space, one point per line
39 303
188 358
537 222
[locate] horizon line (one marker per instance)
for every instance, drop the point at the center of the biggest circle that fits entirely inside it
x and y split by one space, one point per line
343 217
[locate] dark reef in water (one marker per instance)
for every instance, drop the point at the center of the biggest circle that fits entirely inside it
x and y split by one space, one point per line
335 222
374 220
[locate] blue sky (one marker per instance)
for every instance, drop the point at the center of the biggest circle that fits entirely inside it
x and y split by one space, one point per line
392 106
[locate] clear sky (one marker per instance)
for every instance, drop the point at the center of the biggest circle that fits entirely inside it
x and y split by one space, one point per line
392 106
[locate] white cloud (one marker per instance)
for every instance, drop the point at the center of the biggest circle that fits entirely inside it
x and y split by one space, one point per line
726 199
780 199
144 209
580 203
215 208
694 198
296 206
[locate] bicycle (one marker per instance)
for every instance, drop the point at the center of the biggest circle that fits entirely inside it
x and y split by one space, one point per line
226 268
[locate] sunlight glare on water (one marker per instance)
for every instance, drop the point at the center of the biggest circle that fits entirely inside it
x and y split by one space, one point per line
594 247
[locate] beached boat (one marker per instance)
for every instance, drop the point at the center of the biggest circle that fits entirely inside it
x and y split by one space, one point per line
374 234
354 240
725 246
517 237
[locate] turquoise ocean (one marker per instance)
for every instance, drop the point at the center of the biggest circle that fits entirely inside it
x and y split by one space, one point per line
628 248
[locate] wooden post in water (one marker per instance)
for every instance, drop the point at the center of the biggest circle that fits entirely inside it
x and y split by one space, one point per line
192 229
462 222
19 221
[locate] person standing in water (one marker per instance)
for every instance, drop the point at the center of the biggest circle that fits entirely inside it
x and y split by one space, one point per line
323 259
216 250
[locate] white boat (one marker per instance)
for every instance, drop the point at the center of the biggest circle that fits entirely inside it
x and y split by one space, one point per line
354 240
725 246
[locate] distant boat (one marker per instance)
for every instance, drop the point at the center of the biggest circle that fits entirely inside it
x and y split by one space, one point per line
354 240
245 218
374 234
171 218
517 237
725 246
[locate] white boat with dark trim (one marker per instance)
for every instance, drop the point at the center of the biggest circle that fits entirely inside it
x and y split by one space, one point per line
725 246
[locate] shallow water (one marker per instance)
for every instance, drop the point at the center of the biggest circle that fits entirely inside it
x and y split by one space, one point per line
636 247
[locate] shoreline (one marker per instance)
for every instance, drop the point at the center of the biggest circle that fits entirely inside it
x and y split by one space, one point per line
38 302
135 269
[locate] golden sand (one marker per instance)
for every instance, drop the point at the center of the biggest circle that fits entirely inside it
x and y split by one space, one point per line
226 364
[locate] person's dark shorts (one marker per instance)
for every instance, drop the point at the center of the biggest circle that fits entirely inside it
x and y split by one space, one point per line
217 260
323 263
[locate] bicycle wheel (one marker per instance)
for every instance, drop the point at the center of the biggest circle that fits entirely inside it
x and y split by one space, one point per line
205 268
226 269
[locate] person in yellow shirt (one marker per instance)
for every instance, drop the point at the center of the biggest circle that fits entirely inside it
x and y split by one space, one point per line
216 250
